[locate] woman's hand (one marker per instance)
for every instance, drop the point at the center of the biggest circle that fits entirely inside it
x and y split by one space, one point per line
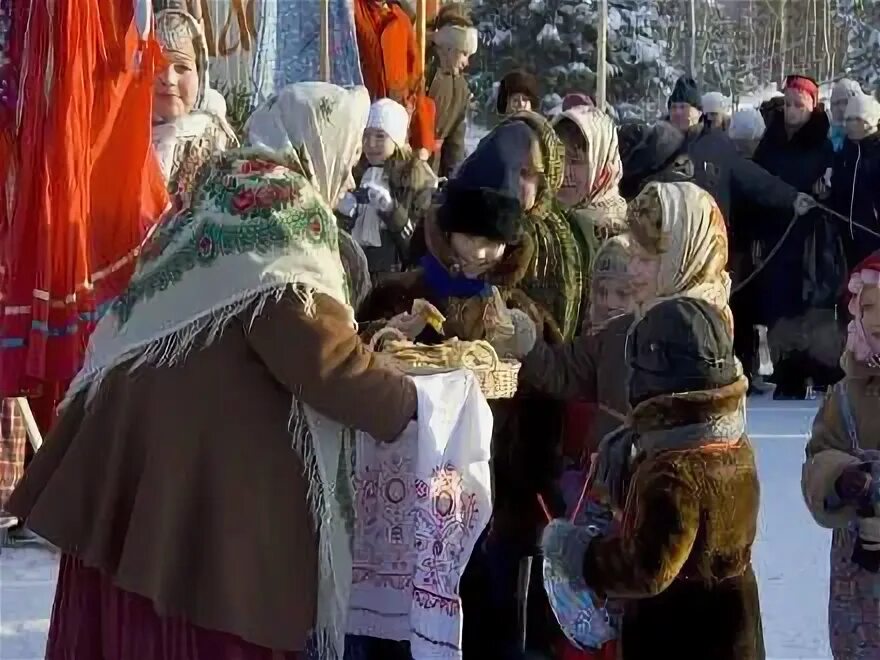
411 325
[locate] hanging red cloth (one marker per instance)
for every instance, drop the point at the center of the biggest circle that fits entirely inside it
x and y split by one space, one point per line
86 185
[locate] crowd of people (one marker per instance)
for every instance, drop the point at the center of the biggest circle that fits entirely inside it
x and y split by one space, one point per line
198 476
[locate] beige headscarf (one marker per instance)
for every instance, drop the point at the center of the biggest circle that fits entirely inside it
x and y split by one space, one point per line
324 124
603 205
682 223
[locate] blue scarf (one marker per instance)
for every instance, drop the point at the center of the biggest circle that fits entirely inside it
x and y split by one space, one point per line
444 284
838 137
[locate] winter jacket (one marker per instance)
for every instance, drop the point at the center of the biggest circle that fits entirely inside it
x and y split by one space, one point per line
855 193
151 480
411 184
718 165
391 64
682 560
451 95
854 611
807 270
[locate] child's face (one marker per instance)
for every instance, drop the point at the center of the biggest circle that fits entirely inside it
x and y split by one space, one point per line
870 305
518 103
644 272
475 254
176 86
378 146
614 295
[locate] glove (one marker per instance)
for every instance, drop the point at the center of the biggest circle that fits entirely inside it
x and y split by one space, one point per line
564 546
347 206
379 197
521 342
803 204
409 324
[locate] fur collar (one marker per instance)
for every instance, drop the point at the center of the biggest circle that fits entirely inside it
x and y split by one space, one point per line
508 273
673 410
810 136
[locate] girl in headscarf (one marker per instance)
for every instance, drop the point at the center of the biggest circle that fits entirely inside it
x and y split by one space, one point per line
593 171
841 475
189 118
678 245
222 387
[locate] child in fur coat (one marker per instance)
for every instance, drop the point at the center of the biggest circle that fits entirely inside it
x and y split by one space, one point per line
394 192
841 476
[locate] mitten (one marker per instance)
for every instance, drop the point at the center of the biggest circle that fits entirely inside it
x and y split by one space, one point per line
380 198
521 342
347 205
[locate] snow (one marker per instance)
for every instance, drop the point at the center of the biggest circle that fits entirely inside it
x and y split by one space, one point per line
790 555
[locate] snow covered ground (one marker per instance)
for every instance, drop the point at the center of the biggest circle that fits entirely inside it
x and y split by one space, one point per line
791 555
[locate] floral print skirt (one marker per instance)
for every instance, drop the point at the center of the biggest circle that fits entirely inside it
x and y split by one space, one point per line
854 603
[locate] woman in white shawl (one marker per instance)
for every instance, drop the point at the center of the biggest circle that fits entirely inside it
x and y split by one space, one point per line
198 481
189 117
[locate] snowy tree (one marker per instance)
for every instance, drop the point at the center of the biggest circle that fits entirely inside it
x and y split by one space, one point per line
557 40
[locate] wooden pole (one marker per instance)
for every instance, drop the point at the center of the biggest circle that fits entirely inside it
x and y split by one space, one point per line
325 40
602 57
421 32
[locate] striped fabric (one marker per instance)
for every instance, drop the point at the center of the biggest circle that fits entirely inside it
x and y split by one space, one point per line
13 443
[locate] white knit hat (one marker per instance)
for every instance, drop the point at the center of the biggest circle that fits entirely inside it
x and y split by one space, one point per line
746 124
865 107
391 117
715 102
845 88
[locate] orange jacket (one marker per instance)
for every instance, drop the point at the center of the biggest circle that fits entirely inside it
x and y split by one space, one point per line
392 66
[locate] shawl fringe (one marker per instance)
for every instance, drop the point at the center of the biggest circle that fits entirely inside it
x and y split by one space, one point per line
175 345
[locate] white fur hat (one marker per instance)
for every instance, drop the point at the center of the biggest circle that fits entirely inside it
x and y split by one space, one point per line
715 102
746 124
865 107
392 118
465 39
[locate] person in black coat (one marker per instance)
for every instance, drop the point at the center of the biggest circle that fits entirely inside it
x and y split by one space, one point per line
801 282
855 182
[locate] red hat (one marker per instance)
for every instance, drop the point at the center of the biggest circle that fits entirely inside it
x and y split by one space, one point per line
805 85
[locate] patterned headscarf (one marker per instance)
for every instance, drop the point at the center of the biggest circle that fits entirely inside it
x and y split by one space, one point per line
556 275
682 224
607 209
179 31
859 342
324 124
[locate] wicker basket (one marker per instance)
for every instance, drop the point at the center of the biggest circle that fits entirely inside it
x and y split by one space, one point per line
497 377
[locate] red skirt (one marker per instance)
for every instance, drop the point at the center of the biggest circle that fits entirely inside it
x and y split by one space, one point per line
94 620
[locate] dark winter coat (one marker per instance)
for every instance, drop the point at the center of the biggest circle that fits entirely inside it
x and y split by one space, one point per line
718 166
855 192
682 561
805 270
651 153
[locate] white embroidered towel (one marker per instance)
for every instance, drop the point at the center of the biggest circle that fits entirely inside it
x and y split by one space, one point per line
367 227
421 504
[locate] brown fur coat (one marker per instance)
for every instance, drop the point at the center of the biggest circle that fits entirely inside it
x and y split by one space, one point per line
682 561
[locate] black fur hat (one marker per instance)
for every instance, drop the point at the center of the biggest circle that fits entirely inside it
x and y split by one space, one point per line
480 212
517 82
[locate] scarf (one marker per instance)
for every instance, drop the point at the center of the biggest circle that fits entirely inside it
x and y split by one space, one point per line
324 124
556 275
620 448
444 284
684 223
602 207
